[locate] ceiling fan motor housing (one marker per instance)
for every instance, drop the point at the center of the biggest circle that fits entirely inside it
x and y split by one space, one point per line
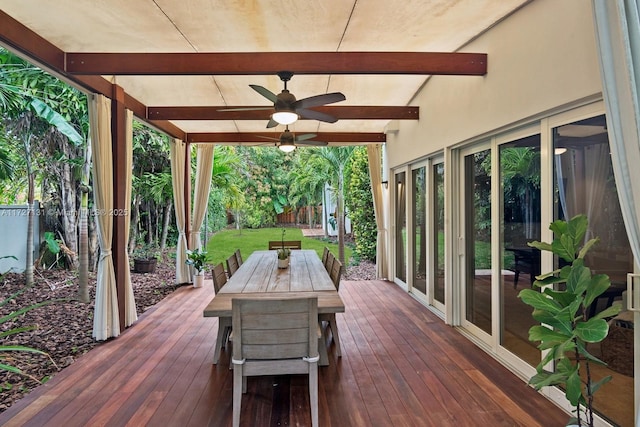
285 101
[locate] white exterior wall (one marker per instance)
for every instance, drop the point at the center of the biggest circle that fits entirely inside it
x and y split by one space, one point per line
542 57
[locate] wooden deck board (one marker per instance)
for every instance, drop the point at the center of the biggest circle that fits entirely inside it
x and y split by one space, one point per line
401 366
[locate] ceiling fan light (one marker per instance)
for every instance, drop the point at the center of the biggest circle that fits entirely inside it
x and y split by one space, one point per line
285 117
286 147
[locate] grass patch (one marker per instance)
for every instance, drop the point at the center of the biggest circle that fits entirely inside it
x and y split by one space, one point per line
225 242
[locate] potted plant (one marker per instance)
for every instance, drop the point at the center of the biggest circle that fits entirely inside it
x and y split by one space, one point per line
283 253
145 257
566 329
198 260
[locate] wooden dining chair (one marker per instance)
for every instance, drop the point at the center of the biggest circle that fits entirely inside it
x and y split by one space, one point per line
239 257
329 262
291 244
325 254
330 318
219 277
232 265
224 323
274 337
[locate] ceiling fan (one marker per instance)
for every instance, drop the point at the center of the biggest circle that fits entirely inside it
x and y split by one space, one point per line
287 141
288 109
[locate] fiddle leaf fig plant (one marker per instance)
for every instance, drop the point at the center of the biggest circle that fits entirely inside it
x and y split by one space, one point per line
565 329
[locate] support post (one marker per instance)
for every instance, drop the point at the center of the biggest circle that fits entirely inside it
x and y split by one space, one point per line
118 243
187 193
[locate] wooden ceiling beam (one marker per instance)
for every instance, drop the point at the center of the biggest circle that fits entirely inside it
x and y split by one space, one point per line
50 58
260 113
257 137
270 63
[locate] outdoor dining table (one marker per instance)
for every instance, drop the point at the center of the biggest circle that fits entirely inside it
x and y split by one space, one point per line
260 277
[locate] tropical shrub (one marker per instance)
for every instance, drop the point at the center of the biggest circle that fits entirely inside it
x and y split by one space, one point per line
359 200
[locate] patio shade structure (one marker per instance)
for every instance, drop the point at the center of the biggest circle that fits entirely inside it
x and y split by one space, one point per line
154 59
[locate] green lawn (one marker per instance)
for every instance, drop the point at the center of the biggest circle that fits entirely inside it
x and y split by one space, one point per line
225 242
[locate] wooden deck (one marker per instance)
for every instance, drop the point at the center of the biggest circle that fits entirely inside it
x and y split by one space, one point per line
401 366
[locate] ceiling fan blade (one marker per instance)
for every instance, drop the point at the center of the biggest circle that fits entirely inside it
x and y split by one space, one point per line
316 115
246 109
305 137
318 100
313 143
269 138
265 92
272 123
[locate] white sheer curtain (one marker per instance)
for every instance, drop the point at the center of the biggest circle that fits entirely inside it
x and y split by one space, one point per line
177 149
617 28
130 314
106 321
375 161
617 25
204 170
597 165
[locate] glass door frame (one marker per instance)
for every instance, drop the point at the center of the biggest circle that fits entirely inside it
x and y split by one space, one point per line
394 210
411 241
479 334
545 195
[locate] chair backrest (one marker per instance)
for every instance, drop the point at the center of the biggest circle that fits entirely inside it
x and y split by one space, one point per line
232 264
219 277
274 329
328 263
335 273
291 244
239 257
325 254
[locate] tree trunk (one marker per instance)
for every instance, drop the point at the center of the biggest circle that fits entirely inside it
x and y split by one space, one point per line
83 230
165 226
28 272
135 215
340 218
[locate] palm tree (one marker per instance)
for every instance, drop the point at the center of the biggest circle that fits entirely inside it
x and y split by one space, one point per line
336 159
306 187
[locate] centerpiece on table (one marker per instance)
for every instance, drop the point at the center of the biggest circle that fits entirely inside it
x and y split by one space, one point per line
198 260
283 253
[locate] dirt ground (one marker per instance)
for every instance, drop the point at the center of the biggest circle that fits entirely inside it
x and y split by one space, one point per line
63 328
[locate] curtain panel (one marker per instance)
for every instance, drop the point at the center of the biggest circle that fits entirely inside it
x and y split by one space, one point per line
130 314
375 161
204 171
617 28
106 321
177 152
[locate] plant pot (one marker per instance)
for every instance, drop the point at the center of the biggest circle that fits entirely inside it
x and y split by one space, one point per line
198 280
283 263
144 265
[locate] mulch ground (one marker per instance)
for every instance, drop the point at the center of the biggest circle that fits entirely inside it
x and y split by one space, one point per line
63 328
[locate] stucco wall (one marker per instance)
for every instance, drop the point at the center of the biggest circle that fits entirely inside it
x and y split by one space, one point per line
541 57
13 237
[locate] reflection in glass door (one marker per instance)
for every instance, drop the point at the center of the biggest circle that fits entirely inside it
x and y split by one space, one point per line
520 263
477 237
585 184
401 227
438 233
419 207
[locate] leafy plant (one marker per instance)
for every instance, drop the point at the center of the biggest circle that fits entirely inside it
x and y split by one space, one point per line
283 253
565 312
146 251
197 259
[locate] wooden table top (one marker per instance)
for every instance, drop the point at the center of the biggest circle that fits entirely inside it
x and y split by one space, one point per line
260 277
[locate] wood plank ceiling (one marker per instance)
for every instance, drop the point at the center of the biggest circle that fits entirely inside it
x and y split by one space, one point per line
181 63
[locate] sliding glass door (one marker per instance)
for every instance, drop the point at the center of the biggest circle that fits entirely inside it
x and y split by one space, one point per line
476 235
400 227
